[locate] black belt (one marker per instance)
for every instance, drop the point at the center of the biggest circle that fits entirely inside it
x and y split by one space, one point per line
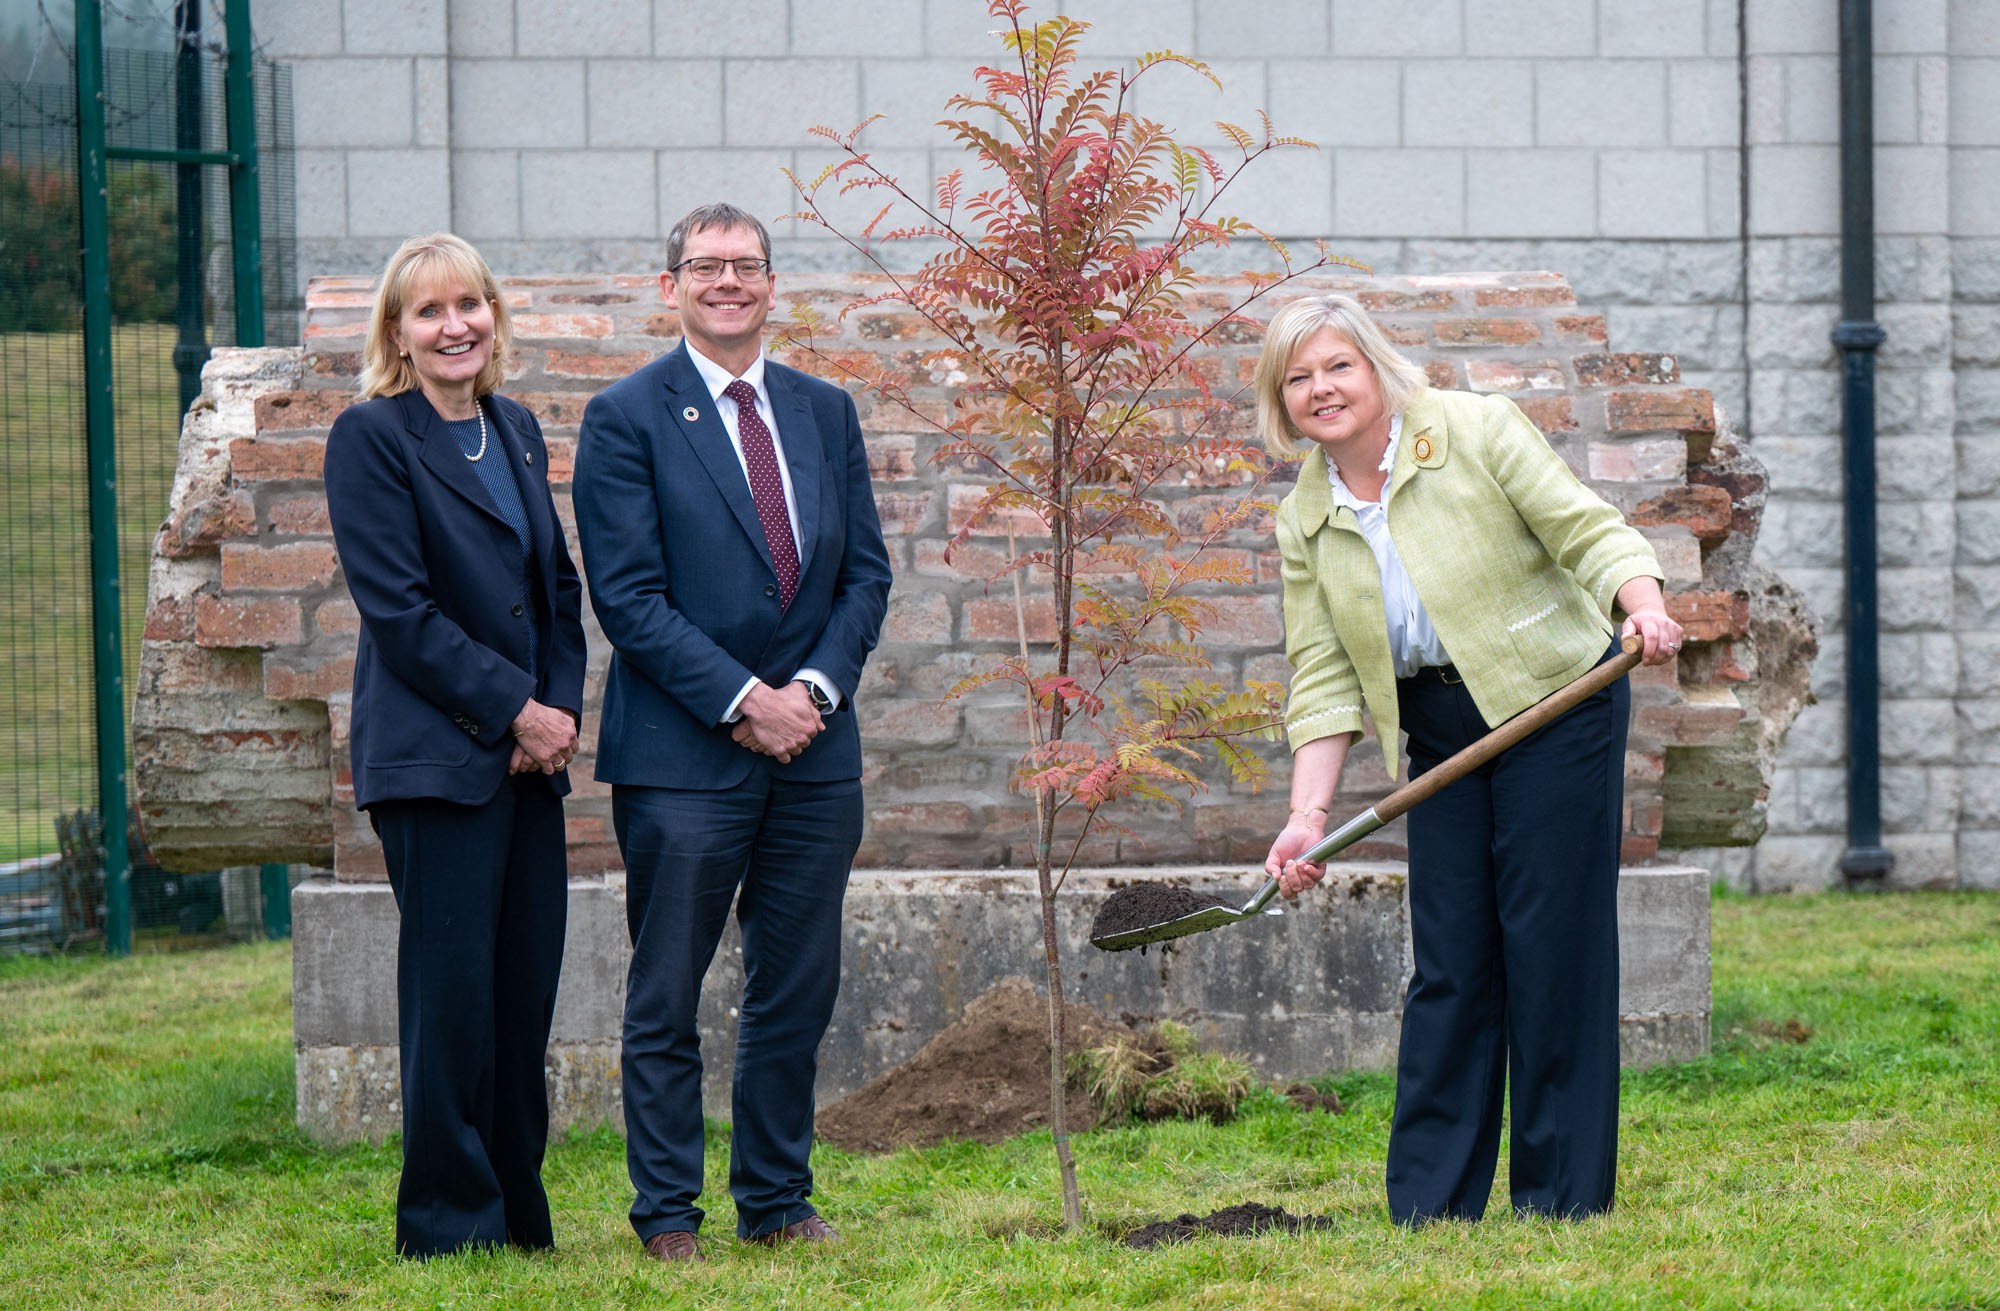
1440 673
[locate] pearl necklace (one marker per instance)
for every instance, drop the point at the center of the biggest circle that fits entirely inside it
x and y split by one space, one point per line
481 411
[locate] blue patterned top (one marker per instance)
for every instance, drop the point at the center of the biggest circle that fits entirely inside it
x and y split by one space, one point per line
496 474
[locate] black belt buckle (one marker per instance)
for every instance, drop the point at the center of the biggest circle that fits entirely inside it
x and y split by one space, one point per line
1448 674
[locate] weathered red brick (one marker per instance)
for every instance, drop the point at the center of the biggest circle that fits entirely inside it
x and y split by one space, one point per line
924 817
334 364
1404 334
659 325
1622 370
910 724
964 502
301 515
307 679
170 619
1523 297
202 671
994 620
1549 413
247 622
285 567
581 364
892 457
562 458
584 828
1251 621
903 513
1582 327
1385 301
1191 515
259 459
1515 375
337 617
1705 511
1710 616
288 411
1442 373
1486 332
591 298
556 409
893 326
206 523
547 327
1686 409
918 617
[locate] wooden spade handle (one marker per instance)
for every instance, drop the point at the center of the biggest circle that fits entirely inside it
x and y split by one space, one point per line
1528 721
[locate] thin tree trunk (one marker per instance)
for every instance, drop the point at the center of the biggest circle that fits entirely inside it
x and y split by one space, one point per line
1058 1089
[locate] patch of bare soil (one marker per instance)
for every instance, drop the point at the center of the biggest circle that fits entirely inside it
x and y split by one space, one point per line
1244 1220
1308 1098
985 1078
1143 905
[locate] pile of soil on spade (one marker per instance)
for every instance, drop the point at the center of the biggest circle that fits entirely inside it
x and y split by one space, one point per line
985 1078
1145 904
1245 1220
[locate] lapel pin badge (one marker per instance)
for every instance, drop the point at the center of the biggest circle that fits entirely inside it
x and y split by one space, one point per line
690 414
529 457
1423 448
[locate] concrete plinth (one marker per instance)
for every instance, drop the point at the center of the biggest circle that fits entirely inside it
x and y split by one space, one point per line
1316 989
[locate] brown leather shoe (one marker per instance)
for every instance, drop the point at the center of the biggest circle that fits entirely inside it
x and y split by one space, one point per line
812 1229
674 1245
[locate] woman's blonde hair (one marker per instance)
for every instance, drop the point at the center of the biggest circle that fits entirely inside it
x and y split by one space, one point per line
419 263
1396 377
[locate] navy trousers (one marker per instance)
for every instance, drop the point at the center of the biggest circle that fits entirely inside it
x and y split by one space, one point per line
782 851
1514 926
484 894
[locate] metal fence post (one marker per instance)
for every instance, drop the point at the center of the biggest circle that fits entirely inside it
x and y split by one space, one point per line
246 224
93 204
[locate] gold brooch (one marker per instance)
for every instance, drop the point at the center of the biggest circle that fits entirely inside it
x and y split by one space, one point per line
1422 450
690 414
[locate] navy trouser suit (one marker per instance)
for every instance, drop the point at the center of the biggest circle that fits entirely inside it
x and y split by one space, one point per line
1514 924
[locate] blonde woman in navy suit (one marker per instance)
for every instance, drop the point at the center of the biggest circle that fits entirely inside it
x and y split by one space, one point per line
468 685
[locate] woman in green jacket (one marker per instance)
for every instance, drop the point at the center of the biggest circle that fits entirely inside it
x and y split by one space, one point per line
1444 569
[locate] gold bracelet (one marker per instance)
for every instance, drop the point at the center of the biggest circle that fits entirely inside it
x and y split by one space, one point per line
1310 809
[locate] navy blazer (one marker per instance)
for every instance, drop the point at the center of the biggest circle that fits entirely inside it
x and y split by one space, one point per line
683 583
441 670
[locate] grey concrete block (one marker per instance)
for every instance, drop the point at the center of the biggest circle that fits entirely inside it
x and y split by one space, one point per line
1701 101
1530 193
1317 988
1920 599
1551 28
1289 27
288 30
1913 534
1337 102
1978 671
1190 105
1975 102
1974 26
653 103
486 194
772 102
320 181
1705 273
1794 189
1979 859
1978 465
1790 27
1913 26
1895 93
750 179
1975 192
1792 336
1976 335
1469 102
1616 273
1725 193
1123 28
595 194
1799 863
1600 102
1914 189
1765 109
910 95
1923 860
1979 730
1416 193
1978 400
1661 29
1923 665
432 90
1420 28
482 28
1652 193
487 96
352 102
1976 600
1812 100
754 27
558 29
398 193
858 27
393 27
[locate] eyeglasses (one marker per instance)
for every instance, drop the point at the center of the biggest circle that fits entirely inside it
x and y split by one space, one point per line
708 270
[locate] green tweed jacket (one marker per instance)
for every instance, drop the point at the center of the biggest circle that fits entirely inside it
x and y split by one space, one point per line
1515 560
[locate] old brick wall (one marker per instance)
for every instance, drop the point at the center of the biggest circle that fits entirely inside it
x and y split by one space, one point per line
240 725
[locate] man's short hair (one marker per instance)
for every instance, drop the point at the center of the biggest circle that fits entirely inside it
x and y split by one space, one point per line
718 215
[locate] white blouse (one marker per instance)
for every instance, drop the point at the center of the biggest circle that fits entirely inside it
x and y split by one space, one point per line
1413 642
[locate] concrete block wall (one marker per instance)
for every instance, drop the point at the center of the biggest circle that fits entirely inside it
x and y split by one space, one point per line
241 714
1676 159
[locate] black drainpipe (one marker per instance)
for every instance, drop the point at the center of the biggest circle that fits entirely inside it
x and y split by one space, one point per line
1866 862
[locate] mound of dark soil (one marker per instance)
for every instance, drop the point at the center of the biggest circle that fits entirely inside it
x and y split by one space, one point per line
1308 1098
1145 904
985 1078
1241 1221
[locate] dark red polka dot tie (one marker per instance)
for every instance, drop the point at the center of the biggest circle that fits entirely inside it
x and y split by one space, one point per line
761 458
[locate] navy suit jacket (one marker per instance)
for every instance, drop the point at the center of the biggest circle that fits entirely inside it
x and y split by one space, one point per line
441 669
683 583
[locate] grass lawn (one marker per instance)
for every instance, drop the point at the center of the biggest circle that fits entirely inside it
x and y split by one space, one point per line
147 1158
47 738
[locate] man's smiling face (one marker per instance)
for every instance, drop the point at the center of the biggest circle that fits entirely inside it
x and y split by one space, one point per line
722 318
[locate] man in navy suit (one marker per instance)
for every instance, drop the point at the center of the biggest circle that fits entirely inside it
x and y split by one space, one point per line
737 566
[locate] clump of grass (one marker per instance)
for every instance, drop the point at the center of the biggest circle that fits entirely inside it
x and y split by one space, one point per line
1159 1073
